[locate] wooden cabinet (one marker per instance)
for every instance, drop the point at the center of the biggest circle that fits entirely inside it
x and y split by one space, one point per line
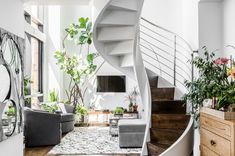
217 136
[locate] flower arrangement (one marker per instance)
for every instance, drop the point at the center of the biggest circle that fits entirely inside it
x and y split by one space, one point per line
131 98
216 80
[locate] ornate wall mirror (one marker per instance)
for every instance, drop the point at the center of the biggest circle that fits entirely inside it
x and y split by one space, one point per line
11 84
9 118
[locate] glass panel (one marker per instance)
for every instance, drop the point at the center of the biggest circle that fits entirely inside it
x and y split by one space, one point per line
35 65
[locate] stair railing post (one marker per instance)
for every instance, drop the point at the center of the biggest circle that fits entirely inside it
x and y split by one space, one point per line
192 67
174 60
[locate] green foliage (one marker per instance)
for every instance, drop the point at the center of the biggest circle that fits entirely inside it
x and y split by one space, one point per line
51 108
11 111
77 67
119 110
213 81
81 32
81 110
53 96
27 81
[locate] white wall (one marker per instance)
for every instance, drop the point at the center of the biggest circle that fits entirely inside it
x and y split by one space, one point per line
210 25
11 19
53 77
229 27
179 16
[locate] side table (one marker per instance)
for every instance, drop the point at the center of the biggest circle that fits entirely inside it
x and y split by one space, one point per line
113 126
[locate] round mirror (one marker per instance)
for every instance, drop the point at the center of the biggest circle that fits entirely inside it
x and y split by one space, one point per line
12 58
4 83
8 50
9 118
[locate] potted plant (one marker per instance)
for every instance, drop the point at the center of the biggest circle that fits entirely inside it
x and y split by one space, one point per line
215 81
50 107
81 111
118 112
131 98
53 96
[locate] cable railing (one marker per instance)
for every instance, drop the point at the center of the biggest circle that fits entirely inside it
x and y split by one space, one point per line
166 52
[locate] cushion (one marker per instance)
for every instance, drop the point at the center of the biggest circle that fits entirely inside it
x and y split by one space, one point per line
62 108
67 117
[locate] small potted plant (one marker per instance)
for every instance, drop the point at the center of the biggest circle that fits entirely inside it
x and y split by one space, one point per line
81 111
131 98
118 112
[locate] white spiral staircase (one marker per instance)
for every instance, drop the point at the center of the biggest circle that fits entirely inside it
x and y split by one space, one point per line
120 38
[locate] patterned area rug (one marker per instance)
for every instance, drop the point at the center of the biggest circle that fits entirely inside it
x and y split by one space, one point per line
91 141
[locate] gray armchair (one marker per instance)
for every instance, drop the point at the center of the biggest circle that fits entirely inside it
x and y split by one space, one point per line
42 128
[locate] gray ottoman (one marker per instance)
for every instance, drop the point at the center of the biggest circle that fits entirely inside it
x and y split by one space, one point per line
131 132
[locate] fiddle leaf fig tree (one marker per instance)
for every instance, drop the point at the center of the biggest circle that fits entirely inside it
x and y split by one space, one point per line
77 67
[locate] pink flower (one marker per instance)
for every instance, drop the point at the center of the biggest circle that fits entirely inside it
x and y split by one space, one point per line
221 61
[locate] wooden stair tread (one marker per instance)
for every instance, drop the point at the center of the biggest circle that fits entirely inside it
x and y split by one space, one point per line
174 121
162 93
168 107
165 136
155 149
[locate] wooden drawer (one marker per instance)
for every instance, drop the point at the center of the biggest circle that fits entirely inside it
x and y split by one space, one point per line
215 126
207 152
215 143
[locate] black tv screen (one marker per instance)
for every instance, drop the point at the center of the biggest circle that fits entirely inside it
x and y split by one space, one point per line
111 83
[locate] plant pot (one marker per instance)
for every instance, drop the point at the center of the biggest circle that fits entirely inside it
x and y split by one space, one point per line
130 108
219 114
135 108
82 119
118 115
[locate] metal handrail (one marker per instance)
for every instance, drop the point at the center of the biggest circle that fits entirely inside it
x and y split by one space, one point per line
166 52
189 46
164 59
154 32
176 54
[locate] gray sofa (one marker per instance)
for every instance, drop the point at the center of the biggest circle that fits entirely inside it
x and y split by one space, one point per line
131 132
41 128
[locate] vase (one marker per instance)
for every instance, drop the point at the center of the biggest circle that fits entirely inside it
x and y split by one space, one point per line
135 108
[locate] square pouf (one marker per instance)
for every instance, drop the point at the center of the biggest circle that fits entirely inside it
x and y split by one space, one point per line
131 133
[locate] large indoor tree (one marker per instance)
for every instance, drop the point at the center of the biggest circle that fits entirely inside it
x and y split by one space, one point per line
78 67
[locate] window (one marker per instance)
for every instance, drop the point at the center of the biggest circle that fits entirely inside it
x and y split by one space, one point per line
36 69
33 56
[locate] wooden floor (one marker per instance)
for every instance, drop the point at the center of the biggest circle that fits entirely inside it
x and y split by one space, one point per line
37 151
42 151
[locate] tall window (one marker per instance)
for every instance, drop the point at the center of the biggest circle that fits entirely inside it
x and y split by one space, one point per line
36 68
34 54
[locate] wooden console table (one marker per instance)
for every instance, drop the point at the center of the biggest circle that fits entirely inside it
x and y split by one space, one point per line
217 136
98 118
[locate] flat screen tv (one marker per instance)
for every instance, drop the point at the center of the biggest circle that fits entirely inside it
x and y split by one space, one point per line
111 83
